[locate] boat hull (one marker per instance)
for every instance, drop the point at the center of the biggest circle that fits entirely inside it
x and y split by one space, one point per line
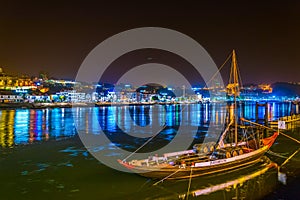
203 168
180 173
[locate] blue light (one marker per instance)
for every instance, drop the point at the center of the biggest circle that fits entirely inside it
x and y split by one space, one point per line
21 126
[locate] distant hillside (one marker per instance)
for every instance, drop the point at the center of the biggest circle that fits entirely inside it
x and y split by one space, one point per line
286 89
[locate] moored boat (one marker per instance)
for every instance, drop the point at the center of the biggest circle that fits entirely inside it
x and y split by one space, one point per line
178 165
239 146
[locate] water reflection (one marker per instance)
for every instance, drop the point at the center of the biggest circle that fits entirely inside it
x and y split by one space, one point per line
253 182
23 126
130 126
55 173
240 186
6 129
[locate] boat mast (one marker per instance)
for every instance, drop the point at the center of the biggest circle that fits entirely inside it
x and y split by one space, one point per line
234 73
233 89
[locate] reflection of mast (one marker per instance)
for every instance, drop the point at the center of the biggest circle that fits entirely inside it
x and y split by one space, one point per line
235 183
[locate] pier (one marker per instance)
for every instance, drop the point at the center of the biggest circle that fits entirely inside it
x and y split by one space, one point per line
291 121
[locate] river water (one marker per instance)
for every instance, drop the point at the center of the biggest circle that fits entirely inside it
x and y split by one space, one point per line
42 156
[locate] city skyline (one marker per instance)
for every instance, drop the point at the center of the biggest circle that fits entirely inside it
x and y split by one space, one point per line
56 37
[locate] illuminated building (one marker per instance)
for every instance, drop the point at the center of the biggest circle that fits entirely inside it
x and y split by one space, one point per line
6 98
19 84
266 88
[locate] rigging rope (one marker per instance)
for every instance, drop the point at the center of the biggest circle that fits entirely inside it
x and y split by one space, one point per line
276 154
190 182
167 177
206 84
239 75
290 157
141 146
280 156
290 137
281 133
147 141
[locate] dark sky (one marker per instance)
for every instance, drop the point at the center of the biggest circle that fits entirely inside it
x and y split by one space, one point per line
57 36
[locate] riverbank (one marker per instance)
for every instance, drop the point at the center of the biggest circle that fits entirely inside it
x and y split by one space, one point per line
107 104
81 104
44 105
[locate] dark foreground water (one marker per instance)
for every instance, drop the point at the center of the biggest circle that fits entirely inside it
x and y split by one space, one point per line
42 157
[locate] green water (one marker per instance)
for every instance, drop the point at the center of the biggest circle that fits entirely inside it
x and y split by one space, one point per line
64 170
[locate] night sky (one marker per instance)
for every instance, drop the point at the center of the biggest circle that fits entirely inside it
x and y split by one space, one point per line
56 36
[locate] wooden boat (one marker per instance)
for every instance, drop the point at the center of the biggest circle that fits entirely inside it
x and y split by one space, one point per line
205 159
188 164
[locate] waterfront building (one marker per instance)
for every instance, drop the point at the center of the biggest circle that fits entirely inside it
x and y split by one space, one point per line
18 84
11 98
74 96
38 98
6 80
266 88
